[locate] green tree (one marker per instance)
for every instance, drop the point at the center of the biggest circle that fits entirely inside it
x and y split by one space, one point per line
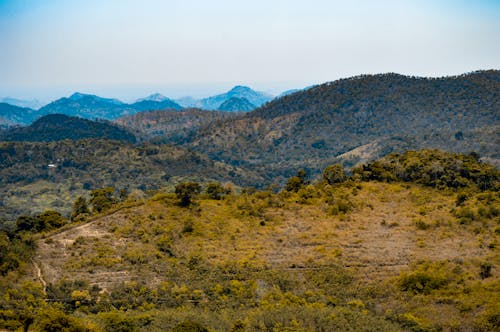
186 192
102 199
27 223
80 206
215 190
296 182
334 174
53 319
51 219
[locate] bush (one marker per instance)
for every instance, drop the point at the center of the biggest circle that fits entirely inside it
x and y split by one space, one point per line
421 282
216 191
186 192
189 326
334 174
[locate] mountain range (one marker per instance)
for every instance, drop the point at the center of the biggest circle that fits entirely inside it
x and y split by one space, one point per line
91 107
32 103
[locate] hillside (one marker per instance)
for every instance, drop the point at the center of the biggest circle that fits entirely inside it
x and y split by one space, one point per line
15 115
256 98
38 176
360 119
57 127
235 104
339 254
170 125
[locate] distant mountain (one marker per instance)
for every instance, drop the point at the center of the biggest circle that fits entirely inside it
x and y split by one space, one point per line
153 97
93 107
88 107
236 104
359 119
155 102
14 115
32 103
171 125
187 101
254 97
57 127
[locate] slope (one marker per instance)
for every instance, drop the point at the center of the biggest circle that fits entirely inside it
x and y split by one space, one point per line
38 176
376 114
56 127
170 125
363 255
15 115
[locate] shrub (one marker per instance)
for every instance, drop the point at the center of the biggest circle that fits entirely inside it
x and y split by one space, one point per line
421 282
189 326
186 192
334 174
216 191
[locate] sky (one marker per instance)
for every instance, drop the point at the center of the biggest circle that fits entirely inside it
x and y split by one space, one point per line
128 49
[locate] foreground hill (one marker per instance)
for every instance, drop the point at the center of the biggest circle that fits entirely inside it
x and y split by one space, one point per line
57 127
171 125
336 255
359 119
38 176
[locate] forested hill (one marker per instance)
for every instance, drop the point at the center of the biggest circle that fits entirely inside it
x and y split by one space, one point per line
35 176
56 127
172 125
360 119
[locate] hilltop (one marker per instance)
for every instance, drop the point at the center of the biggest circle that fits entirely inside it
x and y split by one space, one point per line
57 127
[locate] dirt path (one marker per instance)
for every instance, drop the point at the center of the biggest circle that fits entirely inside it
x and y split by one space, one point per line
39 276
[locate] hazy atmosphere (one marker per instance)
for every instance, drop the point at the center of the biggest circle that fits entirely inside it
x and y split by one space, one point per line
127 49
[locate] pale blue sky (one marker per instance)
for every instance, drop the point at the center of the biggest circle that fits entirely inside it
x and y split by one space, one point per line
126 49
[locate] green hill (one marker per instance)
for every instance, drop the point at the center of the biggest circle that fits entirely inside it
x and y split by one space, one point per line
38 176
57 127
360 119
356 254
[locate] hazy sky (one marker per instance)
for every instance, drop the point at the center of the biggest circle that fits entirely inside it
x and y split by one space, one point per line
127 49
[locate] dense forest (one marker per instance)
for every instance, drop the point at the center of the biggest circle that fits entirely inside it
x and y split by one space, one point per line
408 242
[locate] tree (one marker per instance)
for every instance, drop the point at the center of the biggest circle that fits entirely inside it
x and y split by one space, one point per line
215 190
334 174
27 223
102 199
51 219
80 207
296 182
186 192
